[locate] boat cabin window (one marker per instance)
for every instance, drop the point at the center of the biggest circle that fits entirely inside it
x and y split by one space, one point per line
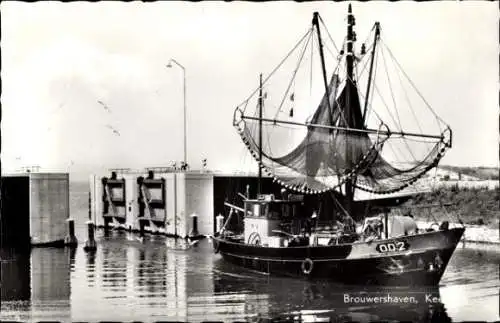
262 209
269 209
257 210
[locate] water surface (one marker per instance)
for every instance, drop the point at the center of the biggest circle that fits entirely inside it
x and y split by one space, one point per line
167 279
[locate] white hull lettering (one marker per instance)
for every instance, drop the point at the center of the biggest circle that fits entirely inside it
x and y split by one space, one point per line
392 246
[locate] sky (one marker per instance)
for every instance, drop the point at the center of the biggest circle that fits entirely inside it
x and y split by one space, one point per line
86 87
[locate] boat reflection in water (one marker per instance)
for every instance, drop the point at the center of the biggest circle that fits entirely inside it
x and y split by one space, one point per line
285 299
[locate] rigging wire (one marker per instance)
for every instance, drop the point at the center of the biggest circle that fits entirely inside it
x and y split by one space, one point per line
342 115
374 79
394 102
413 85
246 152
369 36
243 155
339 59
385 103
396 155
279 65
292 81
411 107
392 92
359 74
339 204
330 51
382 99
293 78
328 33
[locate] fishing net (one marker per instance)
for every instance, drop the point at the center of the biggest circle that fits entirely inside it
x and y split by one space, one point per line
335 144
327 157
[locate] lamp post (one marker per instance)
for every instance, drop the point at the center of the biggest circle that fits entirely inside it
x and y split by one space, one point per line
169 65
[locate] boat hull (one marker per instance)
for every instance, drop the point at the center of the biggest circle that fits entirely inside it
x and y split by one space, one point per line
417 260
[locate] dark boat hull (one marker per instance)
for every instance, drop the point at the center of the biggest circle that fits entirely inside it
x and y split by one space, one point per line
417 260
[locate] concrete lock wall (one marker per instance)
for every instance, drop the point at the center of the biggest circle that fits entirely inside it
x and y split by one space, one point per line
170 207
15 217
49 201
195 196
96 203
185 194
36 207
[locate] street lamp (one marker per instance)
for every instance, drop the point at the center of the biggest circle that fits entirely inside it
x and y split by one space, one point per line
169 65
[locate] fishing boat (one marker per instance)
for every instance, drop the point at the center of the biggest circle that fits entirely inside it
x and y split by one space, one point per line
312 229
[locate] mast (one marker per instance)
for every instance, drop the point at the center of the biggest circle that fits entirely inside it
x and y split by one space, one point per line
350 87
315 22
259 189
370 75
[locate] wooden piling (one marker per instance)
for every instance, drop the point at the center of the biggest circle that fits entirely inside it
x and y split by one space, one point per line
70 239
195 234
90 244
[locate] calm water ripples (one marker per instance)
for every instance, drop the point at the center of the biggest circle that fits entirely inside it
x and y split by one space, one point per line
164 279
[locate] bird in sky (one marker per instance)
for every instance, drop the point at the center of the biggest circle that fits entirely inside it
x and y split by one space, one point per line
104 106
116 132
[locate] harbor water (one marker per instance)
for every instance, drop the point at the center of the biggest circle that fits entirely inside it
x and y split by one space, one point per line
166 279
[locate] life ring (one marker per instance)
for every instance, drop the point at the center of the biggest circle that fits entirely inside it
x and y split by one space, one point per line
307 266
254 239
434 224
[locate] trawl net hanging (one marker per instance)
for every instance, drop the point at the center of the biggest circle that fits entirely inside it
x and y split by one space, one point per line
337 144
324 158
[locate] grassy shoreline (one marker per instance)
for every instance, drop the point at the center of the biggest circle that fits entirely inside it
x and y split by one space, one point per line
473 206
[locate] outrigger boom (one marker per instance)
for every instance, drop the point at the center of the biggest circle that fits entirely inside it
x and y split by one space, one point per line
386 132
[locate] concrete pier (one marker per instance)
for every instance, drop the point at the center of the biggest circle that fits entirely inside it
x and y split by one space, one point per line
35 207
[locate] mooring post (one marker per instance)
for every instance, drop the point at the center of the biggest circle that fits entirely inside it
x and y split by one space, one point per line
194 231
70 240
90 244
90 206
219 222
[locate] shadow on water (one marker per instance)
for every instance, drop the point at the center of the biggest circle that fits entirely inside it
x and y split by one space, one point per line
166 279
